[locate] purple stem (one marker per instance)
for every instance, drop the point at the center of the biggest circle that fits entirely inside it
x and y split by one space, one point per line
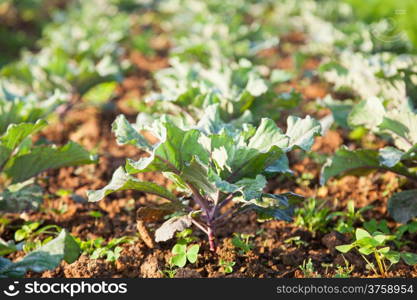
211 238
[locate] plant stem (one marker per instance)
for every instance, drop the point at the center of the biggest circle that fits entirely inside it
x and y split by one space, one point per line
369 264
380 266
201 227
200 200
210 230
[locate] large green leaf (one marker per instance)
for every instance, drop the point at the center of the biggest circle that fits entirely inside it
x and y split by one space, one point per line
127 134
267 135
402 126
276 206
403 206
15 135
301 132
42 158
347 161
122 181
236 160
47 257
176 148
369 113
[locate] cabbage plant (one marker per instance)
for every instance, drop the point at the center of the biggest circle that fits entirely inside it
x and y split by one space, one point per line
218 170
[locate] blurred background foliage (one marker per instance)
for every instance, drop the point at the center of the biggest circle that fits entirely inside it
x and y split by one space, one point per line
23 21
402 15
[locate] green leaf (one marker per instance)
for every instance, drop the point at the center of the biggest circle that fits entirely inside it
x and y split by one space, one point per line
170 227
179 249
14 136
355 162
361 234
390 156
384 250
176 148
196 173
403 206
381 238
393 256
402 126
366 250
302 132
20 235
127 134
344 248
47 257
180 255
179 260
278 207
368 113
256 86
268 135
192 253
240 160
409 258
340 110
122 181
42 158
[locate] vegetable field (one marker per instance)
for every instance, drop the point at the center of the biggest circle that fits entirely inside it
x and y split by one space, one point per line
186 138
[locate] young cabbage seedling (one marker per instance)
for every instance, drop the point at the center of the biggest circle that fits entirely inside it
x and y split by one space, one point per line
219 170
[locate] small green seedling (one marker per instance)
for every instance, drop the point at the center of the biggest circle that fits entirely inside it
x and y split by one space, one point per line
96 215
241 241
185 236
226 266
170 272
305 179
182 251
350 217
296 241
97 248
313 216
376 245
308 269
344 271
31 234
